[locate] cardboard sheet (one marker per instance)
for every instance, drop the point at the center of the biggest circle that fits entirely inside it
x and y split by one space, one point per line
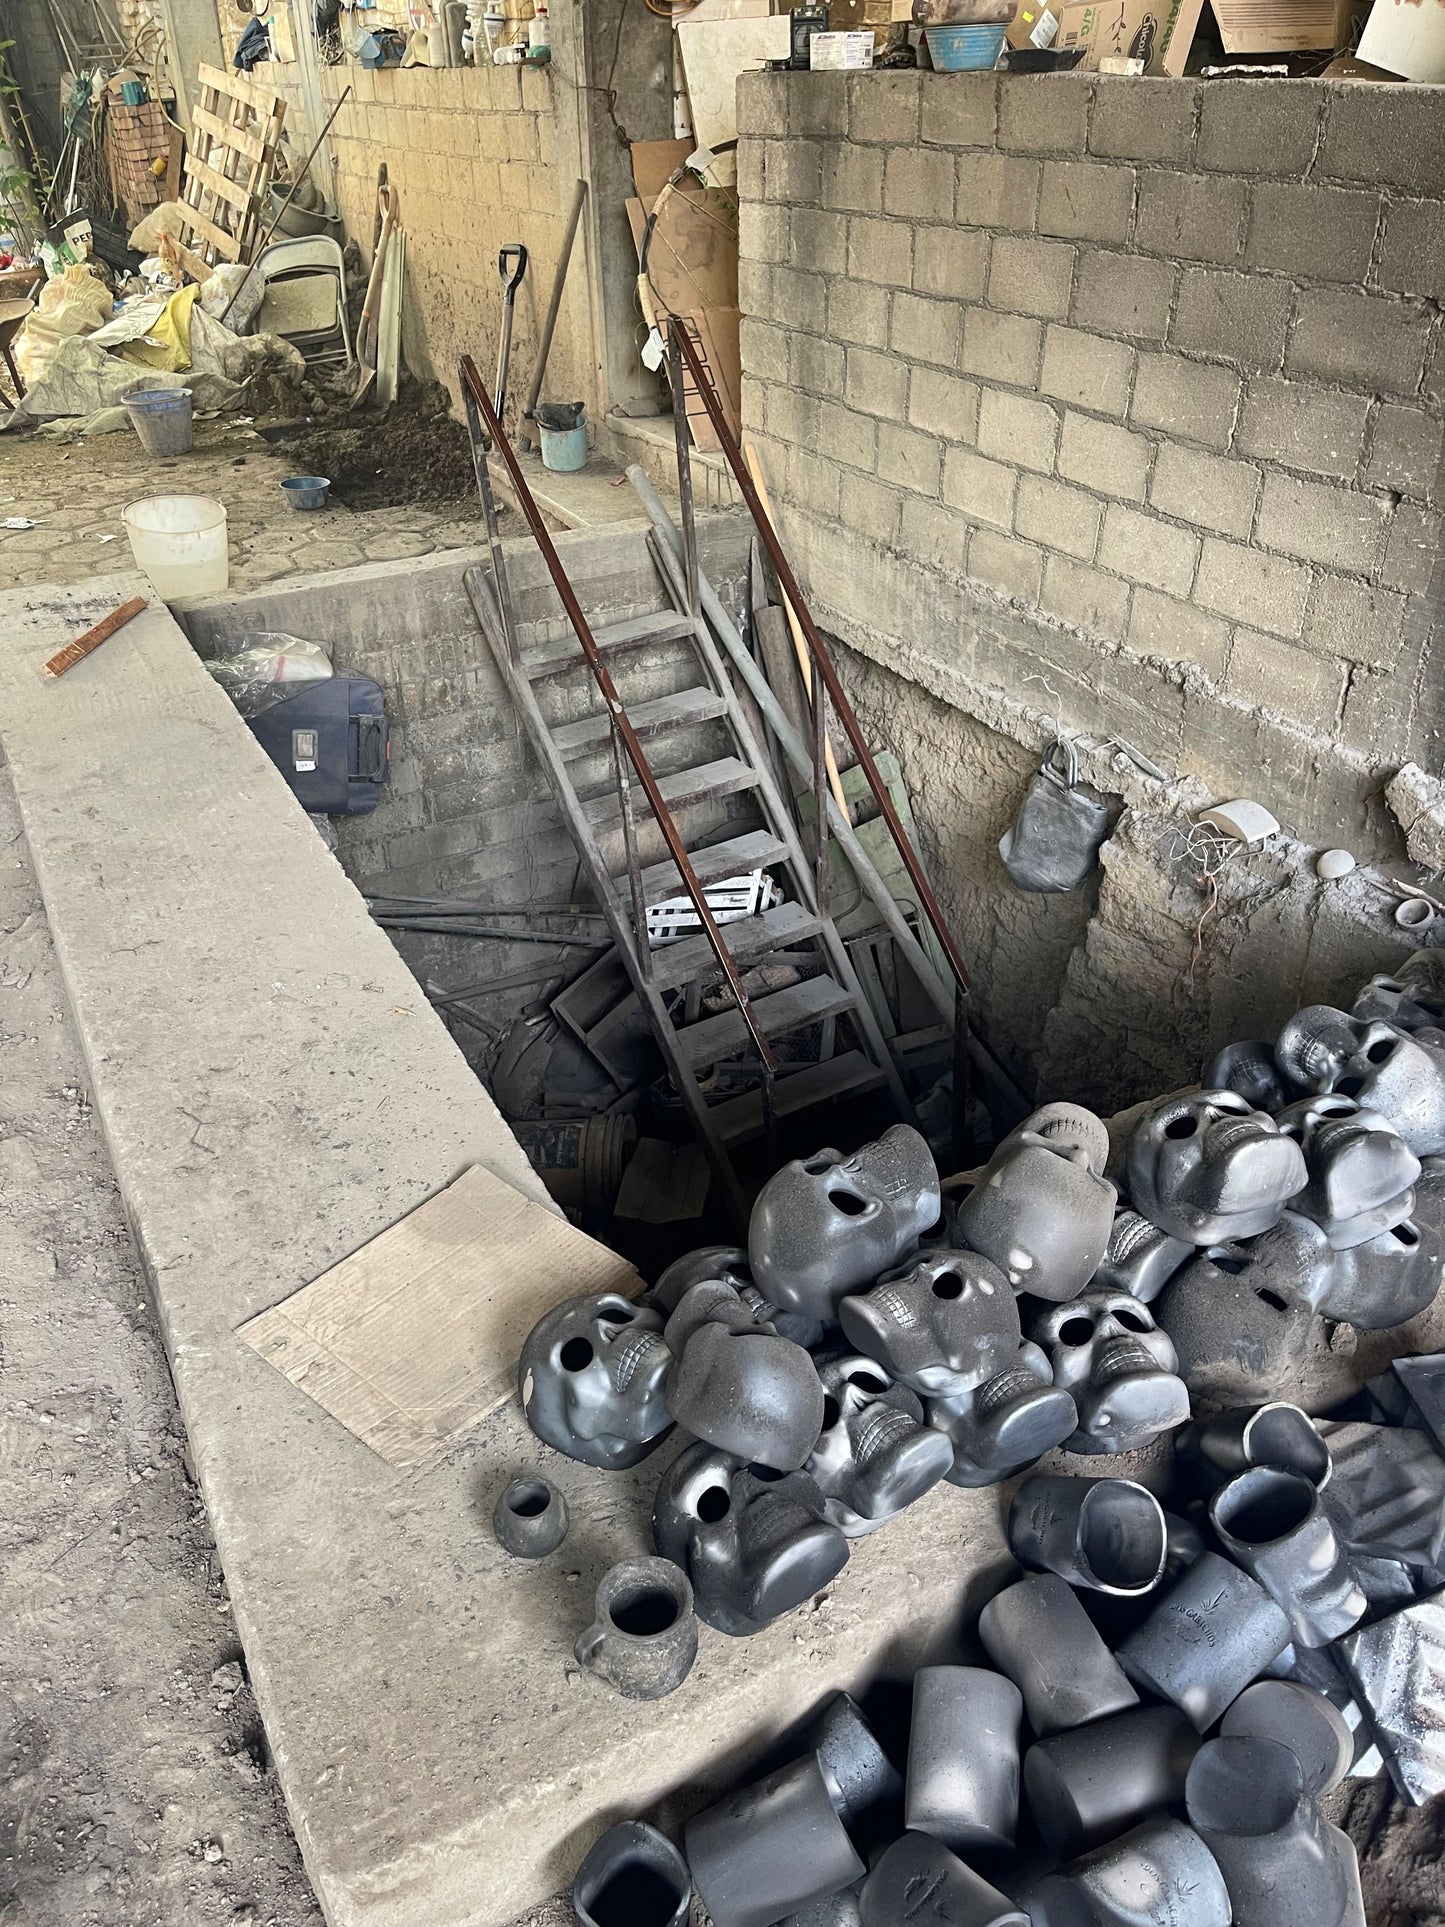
1160 36
412 1340
714 53
1406 40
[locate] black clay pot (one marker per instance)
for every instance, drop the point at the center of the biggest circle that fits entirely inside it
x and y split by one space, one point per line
1272 1523
644 1639
860 1777
770 1849
1212 1633
1040 1636
1094 1782
1160 1875
530 1519
632 1877
918 1881
1213 1450
1301 1719
1106 1535
963 1757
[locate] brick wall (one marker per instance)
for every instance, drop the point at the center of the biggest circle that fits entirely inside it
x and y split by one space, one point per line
1133 385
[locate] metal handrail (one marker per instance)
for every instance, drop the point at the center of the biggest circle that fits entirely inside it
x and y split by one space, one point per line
789 585
475 388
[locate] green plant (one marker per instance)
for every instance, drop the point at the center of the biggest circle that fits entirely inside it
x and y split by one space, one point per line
23 188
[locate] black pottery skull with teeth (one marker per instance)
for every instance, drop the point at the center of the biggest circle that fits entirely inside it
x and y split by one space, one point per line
1400 1074
1207 1168
590 1377
1361 1171
1250 1071
941 1324
1139 1258
1119 1367
822 1226
874 1455
1006 1423
1042 1207
754 1542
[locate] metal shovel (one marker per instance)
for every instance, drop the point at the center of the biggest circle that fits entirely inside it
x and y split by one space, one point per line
511 266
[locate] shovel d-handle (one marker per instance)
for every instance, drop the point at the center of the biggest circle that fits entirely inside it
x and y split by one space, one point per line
512 267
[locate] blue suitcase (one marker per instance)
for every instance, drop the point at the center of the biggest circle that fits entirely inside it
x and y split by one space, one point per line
329 741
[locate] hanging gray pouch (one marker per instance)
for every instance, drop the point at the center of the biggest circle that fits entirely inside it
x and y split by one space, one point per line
1053 843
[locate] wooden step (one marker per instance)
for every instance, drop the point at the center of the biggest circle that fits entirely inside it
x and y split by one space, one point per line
755 850
678 711
639 632
748 938
846 1076
728 776
726 1035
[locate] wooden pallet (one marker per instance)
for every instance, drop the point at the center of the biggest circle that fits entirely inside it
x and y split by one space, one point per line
235 129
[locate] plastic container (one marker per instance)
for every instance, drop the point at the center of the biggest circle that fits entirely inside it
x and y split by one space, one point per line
307 491
179 541
964 50
562 426
162 419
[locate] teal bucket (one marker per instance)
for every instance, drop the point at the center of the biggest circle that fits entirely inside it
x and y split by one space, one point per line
964 50
562 427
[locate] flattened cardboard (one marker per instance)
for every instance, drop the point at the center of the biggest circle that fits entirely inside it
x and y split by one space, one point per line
1283 26
953 13
714 53
1160 36
1405 40
413 1340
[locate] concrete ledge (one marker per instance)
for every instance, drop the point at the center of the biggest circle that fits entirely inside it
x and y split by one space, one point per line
274 1091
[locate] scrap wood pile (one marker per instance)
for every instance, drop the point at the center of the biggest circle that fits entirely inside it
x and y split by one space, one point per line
1196 1657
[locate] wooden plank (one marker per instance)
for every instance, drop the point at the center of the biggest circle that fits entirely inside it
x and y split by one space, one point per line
228 190
241 138
240 87
213 236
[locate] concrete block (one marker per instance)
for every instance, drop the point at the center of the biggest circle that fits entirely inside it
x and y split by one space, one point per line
1030 277
815 363
909 459
1418 802
1190 217
1013 428
884 106
817 239
1405 452
880 250
792 171
1210 490
813 481
1058 516
1177 632
869 508
1412 550
1263 590
1326 233
925 330
1085 598
1355 621
959 110
1389 139
1043 113
1412 249
1291 682
852 178
1087 370
752 156
1144 120
792 416
1302 426
875 383
799 299
843 435
1001 347
934 534
817 104
1081 201
1143 549
1240 318
1124 294
1189 400
997 191
1258 126
979 489
951 261
918 183
1341 528
763 101
858 312
764 231
755 287
1004 563
943 405
1105 457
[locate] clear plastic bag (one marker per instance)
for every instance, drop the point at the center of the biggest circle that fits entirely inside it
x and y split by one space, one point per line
259 671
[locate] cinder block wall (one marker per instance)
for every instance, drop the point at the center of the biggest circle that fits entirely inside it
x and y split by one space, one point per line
1135 385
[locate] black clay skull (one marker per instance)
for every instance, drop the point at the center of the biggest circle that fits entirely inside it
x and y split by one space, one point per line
1250 1071
874 1455
1106 1349
1140 1258
590 1377
941 1324
1361 1171
737 1384
1042 1208
1240 1318
1373 1285
725 1263
1007 1423
755 1543
1410 998
1399 1075
824 1225
1206 1168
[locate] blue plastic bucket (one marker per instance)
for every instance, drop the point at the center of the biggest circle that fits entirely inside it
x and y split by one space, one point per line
964 50
307 491
563 449
162 419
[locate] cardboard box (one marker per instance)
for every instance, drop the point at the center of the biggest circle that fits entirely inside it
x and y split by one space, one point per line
1283 26
828 52
1160 36
954 13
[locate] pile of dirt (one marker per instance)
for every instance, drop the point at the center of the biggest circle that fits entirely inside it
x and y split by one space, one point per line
411 453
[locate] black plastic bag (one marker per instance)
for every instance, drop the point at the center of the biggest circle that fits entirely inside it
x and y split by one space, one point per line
1054 841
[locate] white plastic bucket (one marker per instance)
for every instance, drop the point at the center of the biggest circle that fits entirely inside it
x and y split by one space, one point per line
179 541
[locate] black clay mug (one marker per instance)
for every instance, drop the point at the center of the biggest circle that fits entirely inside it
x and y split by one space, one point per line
644 1639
